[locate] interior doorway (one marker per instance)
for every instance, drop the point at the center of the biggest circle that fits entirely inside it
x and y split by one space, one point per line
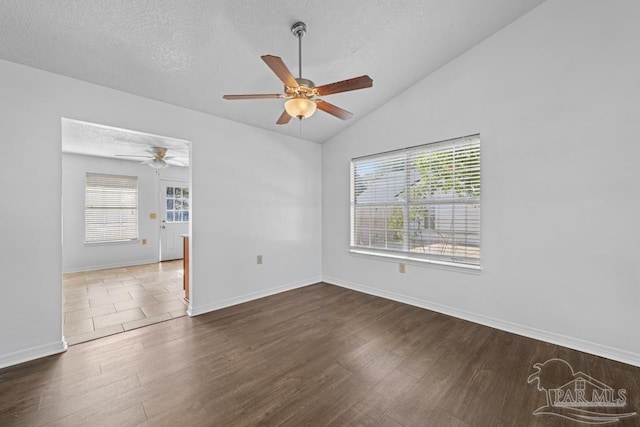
175 199
119 276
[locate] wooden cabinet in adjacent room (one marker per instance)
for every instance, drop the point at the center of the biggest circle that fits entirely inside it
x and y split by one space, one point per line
185 280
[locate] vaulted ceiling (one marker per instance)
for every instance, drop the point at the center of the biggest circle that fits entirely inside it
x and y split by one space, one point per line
191 52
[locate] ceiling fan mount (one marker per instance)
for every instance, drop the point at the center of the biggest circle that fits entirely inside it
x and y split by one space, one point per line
302 95
299 29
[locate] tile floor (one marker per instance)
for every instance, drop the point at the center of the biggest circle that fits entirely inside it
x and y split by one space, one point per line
106 302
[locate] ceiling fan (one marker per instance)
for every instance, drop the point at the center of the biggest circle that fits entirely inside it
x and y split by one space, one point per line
157 159
303 96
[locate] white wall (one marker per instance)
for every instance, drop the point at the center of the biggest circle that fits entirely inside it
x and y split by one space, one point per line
556 99
253 192
76 256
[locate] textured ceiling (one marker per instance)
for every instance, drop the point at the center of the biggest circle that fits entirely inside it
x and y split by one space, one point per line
105 141
191 52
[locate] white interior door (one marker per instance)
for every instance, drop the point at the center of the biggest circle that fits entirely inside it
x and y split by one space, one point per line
175 202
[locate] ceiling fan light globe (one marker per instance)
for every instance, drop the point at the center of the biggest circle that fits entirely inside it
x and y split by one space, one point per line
158 164
300 107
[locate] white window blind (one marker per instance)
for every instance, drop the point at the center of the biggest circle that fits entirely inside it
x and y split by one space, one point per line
111 208
420 202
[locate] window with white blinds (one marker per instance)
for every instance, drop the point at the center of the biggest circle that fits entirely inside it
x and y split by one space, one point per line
111 208
419 203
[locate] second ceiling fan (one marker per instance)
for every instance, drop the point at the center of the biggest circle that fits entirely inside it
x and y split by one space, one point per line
303 97
157 158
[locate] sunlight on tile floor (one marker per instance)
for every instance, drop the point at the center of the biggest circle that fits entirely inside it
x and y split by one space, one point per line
106 302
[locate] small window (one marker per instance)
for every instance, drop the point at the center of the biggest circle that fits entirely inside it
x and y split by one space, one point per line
419 203
177 204
111 208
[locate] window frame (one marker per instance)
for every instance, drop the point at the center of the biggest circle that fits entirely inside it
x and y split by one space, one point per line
452 200
96 201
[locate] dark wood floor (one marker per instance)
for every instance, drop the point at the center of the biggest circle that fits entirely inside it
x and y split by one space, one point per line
320 355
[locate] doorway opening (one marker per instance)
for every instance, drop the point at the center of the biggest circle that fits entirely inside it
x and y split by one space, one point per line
175 202
123 229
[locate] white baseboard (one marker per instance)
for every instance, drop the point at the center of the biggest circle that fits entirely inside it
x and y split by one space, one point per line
518 329
32 353
110 265
195 311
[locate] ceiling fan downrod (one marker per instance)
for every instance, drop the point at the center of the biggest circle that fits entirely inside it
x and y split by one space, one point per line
299 29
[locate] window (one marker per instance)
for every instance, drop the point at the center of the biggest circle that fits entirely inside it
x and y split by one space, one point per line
419 203
111 208
177 199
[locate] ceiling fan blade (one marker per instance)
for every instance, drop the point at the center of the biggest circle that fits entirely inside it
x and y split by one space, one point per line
133 155
175 163
284 118
355 83
280 69
255 96
333 110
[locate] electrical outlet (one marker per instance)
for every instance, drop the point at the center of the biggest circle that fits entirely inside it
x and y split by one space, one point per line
144 241
259 259
402 267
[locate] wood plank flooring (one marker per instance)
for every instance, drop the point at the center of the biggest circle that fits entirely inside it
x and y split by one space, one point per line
320 355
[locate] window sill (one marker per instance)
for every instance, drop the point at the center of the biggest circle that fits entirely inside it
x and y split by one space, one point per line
445 265
112 242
